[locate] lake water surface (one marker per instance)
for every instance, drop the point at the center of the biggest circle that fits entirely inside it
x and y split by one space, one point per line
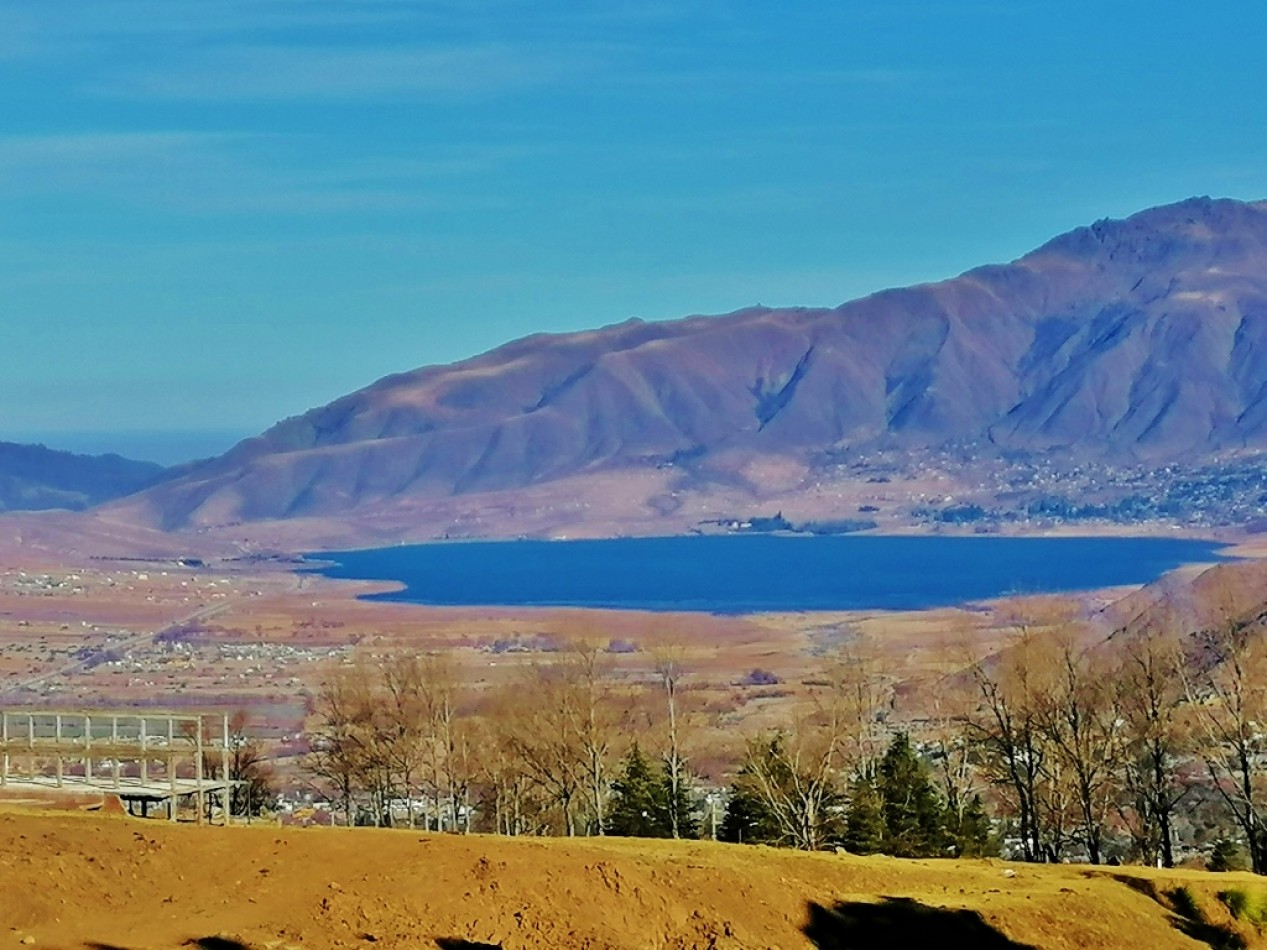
757 573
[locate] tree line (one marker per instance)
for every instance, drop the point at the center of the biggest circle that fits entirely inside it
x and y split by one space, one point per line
401 737
1062 745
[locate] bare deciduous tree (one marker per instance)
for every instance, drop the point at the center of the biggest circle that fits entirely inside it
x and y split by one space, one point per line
339 748
544 738
670 670
1149 696
800 773
1226 683
596 719
402 721
1081 724
1006 731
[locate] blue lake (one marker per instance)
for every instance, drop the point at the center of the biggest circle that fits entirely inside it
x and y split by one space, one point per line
756 573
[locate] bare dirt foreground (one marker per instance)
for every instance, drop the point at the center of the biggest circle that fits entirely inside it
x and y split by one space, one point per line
81 881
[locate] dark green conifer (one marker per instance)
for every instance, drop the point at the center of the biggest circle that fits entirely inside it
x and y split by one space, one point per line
914 817
970 834
667 803
636 808
1226 856
865 831
747 819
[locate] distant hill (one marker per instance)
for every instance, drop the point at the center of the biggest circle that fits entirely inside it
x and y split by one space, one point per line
1133 342
35 478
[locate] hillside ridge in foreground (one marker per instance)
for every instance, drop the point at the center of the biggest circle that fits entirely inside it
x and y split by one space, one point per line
79 881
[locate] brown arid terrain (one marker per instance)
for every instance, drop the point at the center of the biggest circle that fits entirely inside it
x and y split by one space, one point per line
185 622
78 881
84 625
259 636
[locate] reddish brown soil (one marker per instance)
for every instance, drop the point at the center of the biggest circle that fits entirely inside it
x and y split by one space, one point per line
75 881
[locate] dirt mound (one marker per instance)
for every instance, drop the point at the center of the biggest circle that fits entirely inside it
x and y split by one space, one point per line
61 800
79 881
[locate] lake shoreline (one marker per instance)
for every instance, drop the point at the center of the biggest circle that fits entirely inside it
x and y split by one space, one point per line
748 573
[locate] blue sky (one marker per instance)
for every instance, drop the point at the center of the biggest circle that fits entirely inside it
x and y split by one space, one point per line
217 214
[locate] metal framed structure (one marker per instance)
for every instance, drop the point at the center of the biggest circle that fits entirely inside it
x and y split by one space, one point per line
145 757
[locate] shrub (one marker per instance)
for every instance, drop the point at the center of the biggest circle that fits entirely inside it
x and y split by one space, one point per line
1195 924
1186 904
760 677
1249 907
1226 856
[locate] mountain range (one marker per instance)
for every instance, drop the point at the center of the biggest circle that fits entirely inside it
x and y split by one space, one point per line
1128 345
35 478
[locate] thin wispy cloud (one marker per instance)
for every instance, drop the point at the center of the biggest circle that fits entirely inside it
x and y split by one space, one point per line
19 30
277 73
196 26
101 163
686 79
104 148
198 173
306 160
339 50
78 20
174 17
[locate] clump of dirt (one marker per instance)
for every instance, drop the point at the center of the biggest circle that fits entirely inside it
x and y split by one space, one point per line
93 881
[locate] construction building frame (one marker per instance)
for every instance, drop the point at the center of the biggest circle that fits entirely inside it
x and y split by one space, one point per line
144 757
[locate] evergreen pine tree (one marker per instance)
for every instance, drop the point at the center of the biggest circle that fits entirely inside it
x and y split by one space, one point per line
636 808
865 832
667 803
1226 856
970 836
914 817
747 819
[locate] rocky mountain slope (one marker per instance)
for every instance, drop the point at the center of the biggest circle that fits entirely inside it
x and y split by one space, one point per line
1133 342
35 478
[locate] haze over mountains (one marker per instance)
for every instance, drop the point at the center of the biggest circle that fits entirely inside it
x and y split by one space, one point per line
35 478
1140 342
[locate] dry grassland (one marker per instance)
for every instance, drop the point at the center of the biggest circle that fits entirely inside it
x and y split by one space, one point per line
84 881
